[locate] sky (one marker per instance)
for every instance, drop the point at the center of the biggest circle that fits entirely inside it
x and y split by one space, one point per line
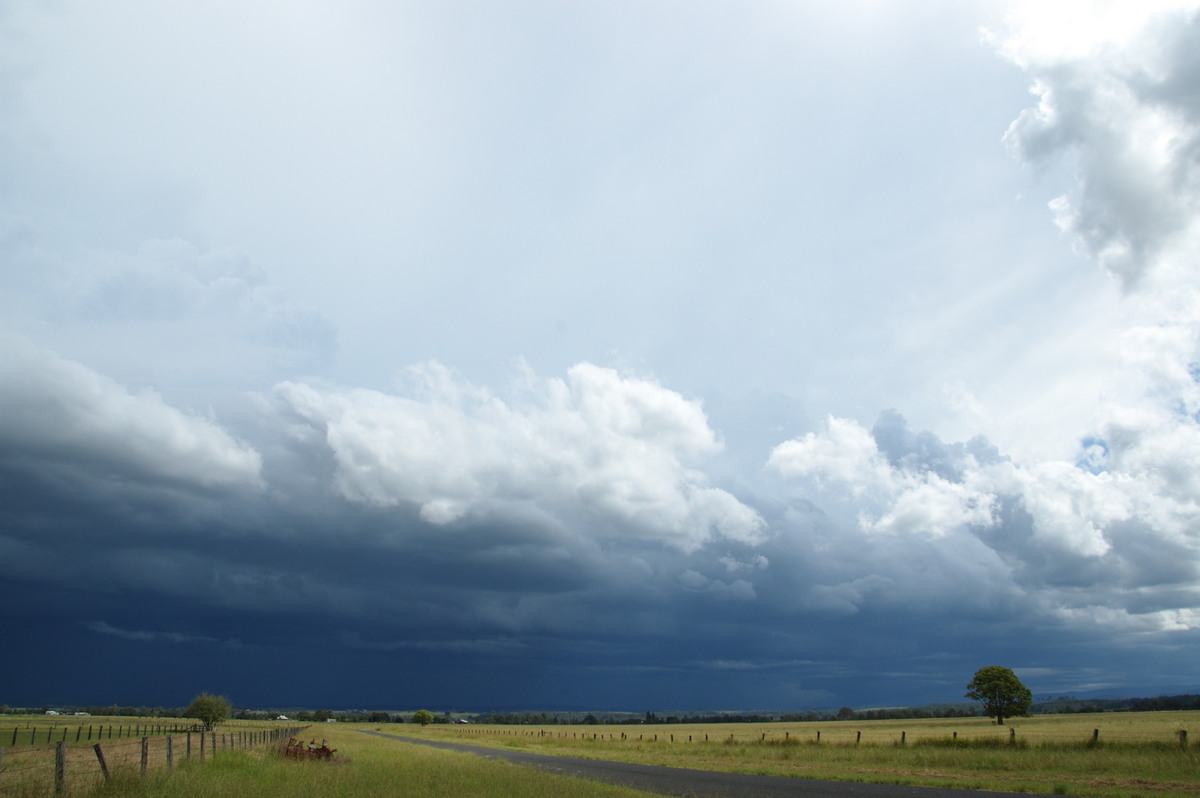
599 355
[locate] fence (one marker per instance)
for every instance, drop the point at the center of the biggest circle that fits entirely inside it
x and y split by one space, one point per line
62 766
32 733
875 737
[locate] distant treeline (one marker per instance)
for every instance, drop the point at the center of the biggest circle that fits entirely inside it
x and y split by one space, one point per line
303 715
1069 704
1052 706
1062 705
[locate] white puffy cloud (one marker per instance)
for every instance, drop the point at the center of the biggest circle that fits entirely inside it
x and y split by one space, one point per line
609 451
57 410
890 500
1112 532
1120 536
1115 83
844 452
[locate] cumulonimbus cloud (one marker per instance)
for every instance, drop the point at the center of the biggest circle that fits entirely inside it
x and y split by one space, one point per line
600 449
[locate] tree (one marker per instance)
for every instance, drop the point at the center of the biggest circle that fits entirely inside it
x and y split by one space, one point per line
208 709
423 717
1000 692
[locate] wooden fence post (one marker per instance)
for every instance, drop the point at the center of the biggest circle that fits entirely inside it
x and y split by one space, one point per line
857 737
170 752
202 736
902 736
1012 736
100 758
189 746
60 767
1183 738
145 754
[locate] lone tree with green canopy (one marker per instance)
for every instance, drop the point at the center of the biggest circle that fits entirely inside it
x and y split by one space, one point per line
1001 692
208 709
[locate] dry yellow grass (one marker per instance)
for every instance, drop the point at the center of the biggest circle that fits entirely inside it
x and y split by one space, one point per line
1136 754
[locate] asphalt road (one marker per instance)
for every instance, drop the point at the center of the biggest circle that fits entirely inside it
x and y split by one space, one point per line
697 783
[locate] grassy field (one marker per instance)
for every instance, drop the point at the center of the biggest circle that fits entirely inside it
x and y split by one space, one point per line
364 767
28 767
1136 754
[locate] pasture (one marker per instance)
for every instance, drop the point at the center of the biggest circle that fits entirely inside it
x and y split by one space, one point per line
1133 754
39 752
1114 755
363 767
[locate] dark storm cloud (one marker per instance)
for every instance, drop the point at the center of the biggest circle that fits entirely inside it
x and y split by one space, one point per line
238 574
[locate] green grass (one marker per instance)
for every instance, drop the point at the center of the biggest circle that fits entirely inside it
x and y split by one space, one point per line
29 769
364 767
